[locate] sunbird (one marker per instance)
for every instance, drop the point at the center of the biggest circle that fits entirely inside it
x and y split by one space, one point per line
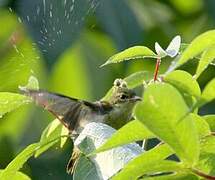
74 113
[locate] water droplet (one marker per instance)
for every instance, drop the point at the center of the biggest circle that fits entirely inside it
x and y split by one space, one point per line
44 6
15 47
22 55
50 14
65 1
40 42
71 8
28 19
19 19
45 29
38 10
10 9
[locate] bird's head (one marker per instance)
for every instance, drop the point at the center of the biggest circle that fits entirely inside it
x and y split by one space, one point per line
122 94
123 100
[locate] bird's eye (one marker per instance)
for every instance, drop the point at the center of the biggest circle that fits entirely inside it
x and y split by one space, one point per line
123 96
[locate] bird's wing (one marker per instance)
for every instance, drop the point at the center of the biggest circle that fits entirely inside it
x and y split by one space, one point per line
66 109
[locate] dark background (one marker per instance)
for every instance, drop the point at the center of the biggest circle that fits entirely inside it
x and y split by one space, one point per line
63 43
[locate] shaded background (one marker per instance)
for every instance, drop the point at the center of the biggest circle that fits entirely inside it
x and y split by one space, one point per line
63 43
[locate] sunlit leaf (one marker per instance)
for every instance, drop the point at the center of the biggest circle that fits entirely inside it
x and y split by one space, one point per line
14 124
137 79
11 101
50 134
184 82
175 176
64 132
202 126
108 95
126 135
17 163
136 52
147 162
207 57
210 119
198 45
207 156
32 84
208 92
164 166
160 111
18 176
187 7
11 170
183 47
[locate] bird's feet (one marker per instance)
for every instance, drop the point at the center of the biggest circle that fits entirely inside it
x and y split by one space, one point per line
73 160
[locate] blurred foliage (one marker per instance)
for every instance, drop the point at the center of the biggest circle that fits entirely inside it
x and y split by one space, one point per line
64 42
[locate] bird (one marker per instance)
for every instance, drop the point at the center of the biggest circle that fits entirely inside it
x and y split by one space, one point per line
75 114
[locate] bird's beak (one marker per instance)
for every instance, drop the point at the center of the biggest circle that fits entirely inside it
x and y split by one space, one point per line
136 98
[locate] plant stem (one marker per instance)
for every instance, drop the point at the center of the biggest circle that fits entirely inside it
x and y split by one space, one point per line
157 68
213 133
199 173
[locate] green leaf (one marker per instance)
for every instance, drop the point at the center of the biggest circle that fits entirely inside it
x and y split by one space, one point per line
64 132
206 58
18 176
137 79
136 52
85 169
126 135
108 95
20 59
86 146
198 45
146 163
32 83
11 170
14 124
207 156
153 167
11 101
202 126
208 92
183 47
70 76
184 82
175 176
50 134
160 111
17 163
210 119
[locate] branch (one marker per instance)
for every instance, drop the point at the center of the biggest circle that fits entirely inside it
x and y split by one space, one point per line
199 173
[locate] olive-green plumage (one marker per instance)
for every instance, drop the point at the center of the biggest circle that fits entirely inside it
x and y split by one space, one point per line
75 114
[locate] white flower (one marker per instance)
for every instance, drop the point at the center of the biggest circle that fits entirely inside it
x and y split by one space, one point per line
172 49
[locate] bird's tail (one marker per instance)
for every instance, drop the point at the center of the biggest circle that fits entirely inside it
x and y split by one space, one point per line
73 160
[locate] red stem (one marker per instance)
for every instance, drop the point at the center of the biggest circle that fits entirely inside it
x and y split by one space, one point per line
157 68
206 176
